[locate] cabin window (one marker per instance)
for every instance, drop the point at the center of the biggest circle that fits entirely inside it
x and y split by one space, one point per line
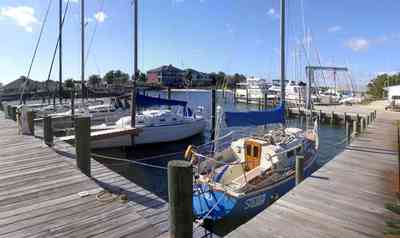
248 150
255 151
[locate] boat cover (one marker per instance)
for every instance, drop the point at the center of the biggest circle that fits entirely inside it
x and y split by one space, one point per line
146 101
256 118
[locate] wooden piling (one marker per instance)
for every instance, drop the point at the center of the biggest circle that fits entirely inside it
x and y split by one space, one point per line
362 124
213 113
348 134
48 131
299 169
332 119
1 106
14 113
355 125
169 93
247 95
180 192
320 115
265 99
30 117
82 144
7 110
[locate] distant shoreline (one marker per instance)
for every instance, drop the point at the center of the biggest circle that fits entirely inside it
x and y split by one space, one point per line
192 90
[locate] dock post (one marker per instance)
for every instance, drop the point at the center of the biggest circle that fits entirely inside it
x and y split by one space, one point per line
48 131
362 124
355 125
30 117
180 194
1 106
14 113
348 134
374 115
82 144
259 104
169 93
332 118
213 113
320 115
358 124
247 95
265 99
7 110
299 169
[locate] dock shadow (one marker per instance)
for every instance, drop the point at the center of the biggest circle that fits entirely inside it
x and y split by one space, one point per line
142 199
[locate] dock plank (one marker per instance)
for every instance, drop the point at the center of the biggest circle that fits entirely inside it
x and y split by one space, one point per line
344 198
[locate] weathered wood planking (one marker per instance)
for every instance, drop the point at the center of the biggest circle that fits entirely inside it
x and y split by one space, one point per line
345 198
39 195
39 189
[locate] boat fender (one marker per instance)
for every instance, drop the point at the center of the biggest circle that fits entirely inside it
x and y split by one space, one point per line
189 152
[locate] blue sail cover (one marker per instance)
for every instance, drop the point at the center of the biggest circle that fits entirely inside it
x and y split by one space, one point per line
146 101
256 118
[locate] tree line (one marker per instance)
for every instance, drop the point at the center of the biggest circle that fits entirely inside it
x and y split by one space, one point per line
376 86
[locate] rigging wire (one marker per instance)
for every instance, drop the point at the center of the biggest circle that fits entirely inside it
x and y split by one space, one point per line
36 48
57 44
101 7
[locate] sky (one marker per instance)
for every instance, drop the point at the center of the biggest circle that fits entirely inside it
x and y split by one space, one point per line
234 36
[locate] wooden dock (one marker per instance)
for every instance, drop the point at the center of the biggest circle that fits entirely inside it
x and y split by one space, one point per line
345 198
40 194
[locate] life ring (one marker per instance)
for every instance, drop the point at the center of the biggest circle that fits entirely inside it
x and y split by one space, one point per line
189 152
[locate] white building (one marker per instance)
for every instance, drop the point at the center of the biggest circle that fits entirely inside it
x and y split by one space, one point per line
393 93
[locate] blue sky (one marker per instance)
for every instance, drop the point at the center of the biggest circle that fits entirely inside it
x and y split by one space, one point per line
209 35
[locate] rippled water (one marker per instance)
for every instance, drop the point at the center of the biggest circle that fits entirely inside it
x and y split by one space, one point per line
155 179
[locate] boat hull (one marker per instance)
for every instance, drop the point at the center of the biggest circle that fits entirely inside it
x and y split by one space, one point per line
155 134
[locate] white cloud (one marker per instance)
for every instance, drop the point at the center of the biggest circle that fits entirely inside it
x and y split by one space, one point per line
272 13
390 73
358 44
24 16
100 16
334 29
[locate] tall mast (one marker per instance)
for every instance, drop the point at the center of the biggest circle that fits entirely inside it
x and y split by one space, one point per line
60 24
82 48
283 51
135 66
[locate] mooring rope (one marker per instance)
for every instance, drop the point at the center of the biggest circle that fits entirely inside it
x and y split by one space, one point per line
129 161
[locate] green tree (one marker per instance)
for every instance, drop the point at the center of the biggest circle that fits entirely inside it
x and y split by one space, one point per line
94 80
376 86
116 78
69 84
142 77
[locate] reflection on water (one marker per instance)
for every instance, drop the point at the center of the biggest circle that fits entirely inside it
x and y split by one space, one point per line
155 179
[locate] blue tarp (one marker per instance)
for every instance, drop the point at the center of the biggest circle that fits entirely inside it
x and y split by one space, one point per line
146 101
255 118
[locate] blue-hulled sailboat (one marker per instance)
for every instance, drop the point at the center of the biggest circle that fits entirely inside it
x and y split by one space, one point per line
240 177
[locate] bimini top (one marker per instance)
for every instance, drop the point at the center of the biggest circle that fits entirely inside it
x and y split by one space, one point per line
256 118
146 101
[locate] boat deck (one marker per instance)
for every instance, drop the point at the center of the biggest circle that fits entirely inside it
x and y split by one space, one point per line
345 198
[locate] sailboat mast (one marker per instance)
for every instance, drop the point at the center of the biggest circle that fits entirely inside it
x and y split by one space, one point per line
60 25
82 49
283 51
135 66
